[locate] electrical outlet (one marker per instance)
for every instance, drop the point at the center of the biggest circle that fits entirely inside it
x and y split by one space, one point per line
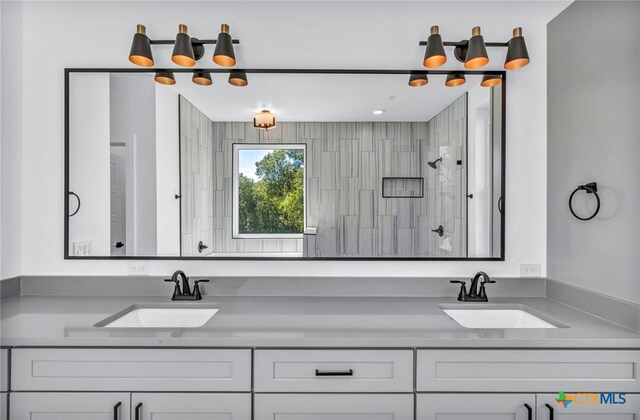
136 268
530 270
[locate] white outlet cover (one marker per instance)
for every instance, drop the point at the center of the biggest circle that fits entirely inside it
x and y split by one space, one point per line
135 268
530 270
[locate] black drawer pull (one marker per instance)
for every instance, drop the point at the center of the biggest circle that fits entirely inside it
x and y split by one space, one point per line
116 411
550 411
529 412
138 408
334 373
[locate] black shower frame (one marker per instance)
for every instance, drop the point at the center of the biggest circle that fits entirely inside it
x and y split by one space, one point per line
68 71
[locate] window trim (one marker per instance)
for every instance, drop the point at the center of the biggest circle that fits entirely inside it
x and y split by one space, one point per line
235 198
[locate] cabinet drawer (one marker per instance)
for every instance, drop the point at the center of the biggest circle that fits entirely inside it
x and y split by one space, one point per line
131 370
69 406
475 406
333 371
191 406
4 370
528 370
333 407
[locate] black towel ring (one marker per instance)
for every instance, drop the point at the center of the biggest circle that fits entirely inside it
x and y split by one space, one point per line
590 188
79 203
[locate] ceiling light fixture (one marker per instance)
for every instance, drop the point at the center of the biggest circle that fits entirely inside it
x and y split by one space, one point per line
202 78
490 80
476 56
378 112
238 78
140 53
224 55
183 50
455 79
434 55
165 78
264 120
417 79
517 54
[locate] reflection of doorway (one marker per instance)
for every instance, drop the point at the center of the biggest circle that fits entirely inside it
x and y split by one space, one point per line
118 216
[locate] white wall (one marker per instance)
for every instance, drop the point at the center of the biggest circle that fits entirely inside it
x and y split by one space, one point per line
307 33
594 135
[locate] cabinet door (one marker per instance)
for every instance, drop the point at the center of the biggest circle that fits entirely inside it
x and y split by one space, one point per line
585 408
333 407
190 406
475 406
69 406
3 405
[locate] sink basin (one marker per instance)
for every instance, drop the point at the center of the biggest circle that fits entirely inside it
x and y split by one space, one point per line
160 316
497 316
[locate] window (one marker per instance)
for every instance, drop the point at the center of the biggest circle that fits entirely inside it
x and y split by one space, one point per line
268 190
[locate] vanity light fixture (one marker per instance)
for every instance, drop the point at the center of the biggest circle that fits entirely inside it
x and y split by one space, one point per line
238 78
517 54
165 78
434 55
455 79
183 50
417 79
490 80
476 56
140 53
264 120
202 78
224 55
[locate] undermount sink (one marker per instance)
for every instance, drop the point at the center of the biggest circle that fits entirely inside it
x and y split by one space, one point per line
160 316
497 316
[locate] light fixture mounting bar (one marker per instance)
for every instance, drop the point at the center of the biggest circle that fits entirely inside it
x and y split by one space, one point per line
193 41
463 43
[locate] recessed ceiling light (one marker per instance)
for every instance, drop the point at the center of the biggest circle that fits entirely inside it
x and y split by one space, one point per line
378 112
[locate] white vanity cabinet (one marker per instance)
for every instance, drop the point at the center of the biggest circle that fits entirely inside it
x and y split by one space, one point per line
475 406
187 406
70 406
630 410
4 399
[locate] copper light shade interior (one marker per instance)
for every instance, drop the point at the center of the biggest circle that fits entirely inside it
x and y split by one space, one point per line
202 78
454 80
237 78
516 64
491 80
165 78
418 79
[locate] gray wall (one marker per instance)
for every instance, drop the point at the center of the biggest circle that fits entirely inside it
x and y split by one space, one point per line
594 135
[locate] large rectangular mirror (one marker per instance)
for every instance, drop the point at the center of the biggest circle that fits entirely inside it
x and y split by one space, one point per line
358 165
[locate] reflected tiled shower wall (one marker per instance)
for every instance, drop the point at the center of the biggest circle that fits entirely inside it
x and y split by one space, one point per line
345 167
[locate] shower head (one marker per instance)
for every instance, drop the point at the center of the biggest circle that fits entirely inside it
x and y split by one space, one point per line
434 164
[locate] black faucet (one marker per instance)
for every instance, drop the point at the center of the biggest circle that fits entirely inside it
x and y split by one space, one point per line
185 293
474 294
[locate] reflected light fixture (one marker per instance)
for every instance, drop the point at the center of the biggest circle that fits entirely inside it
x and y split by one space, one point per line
417 79
265 120
434 55
455 79
224 55
517 54
183 49
238 78
165 78
202 78
476 51
490 80
140 53
378 112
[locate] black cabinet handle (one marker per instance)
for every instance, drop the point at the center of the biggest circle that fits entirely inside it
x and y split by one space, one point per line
550 411
138 408
116 411
79 203
527 406
335 373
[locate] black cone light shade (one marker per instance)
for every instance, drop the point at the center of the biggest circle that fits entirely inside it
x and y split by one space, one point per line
224 55
238 78
490 80
455 79
517 54
183 50
202 78
165 78
418 79
140 54
434 56
476 51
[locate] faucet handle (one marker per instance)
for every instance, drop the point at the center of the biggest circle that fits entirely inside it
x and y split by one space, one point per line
196 288
176 289
201 281
463 289
483 292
